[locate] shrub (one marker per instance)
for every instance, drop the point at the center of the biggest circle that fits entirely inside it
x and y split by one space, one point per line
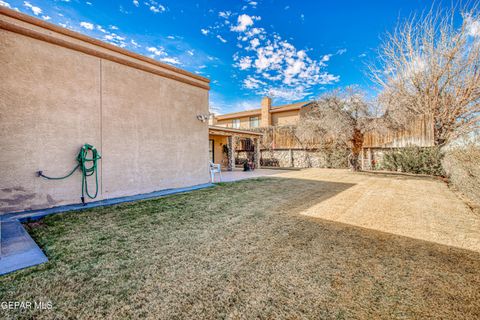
412 159
462 166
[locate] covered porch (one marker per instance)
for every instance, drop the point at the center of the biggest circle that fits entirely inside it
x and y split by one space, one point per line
223 143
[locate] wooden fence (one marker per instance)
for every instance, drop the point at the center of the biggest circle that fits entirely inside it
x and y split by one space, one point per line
419 132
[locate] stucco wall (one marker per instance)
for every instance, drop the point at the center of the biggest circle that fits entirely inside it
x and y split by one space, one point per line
285 118
244 123
278 119
53 99
218 143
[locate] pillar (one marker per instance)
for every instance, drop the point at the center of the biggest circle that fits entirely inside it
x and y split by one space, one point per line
231 153
257 155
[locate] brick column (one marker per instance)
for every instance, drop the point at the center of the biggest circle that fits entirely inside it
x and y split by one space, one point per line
266 118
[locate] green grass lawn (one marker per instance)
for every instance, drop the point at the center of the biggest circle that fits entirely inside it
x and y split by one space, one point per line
239 250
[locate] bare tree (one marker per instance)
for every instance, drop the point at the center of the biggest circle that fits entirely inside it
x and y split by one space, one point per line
339 118
430 66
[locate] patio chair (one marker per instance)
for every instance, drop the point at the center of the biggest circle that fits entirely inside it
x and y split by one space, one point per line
215 168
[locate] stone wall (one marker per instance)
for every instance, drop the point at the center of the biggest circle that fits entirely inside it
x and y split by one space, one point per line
299 158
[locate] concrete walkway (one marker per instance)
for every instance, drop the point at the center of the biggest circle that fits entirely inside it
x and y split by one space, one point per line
18 250
238 174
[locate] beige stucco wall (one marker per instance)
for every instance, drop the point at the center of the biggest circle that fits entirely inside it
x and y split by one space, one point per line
54 99
278 119
244 123
218 156
285 118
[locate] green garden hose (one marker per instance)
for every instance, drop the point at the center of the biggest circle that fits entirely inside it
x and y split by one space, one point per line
82 160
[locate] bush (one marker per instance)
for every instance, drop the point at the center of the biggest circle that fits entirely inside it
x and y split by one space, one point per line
414 159
462 166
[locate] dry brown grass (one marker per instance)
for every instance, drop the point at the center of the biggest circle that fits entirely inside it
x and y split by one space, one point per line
462 165
241 250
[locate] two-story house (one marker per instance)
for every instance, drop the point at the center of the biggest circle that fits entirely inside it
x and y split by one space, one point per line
265 116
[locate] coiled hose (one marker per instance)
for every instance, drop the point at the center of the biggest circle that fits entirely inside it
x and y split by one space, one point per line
82 159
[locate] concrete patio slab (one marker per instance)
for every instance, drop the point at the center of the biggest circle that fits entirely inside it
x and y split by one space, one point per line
238 174
18 250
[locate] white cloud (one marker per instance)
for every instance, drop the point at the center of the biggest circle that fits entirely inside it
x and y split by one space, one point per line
279 68
254 43
219 37
5 4
36 10
268 64
100 28
288 94
86 25
115 39
473 26
170 60
341 51
225 14
135 44
245 63
190 52
158 8
135 2
156 51
243 22
46 18
326 58
252 83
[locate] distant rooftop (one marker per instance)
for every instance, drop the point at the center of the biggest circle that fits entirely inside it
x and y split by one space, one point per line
274 109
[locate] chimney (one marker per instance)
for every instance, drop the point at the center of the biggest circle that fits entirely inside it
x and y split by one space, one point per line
266 117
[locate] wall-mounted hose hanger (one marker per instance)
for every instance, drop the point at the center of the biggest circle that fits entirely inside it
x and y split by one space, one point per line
82 159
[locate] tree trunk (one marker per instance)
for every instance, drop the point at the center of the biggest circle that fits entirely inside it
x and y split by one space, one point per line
357 144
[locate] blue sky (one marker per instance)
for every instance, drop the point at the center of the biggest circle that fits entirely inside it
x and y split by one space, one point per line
290 50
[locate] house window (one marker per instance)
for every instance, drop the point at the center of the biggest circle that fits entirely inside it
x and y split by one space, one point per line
254 122
236 123
211 150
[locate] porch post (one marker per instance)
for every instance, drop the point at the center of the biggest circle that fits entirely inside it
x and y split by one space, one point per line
231 153
257 153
